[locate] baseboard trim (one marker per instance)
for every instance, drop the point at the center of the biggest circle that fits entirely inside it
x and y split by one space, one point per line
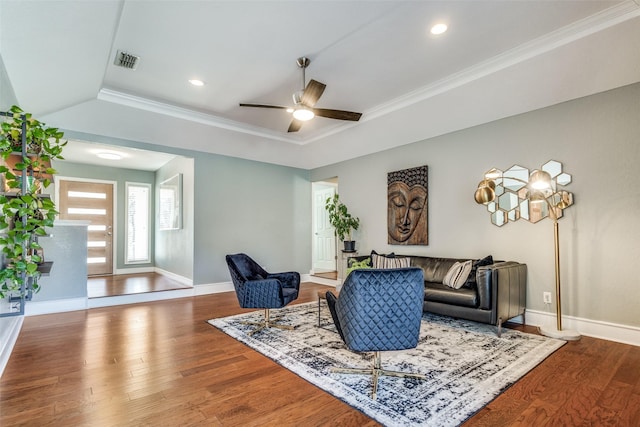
174 276
36 308
592 328
134 270
212 288
319 280
9 332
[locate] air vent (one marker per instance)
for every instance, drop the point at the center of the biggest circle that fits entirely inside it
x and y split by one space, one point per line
126 60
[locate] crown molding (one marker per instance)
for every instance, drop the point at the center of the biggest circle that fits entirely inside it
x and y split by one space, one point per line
622 12
140 103
553 40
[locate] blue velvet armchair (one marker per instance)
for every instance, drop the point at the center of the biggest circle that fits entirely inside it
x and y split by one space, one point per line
256 288
379 310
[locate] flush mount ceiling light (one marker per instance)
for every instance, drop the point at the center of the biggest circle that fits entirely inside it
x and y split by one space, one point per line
109 155
196 82
438 29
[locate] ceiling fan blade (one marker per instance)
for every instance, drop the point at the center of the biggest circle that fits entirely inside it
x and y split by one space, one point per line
337 114
312 93
264 106
295 125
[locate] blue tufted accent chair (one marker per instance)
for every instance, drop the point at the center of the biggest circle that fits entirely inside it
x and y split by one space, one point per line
379 310
256 288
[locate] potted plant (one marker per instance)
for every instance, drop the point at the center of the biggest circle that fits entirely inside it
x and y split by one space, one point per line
25 212
342 221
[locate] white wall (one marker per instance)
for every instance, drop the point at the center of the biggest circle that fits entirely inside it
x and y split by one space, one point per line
7 96
597 138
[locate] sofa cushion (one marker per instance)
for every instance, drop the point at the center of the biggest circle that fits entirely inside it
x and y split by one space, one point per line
437 292
471 280
434 268
457 274
389 261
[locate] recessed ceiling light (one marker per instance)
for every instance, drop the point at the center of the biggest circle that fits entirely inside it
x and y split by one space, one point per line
196 82
438 29
109 155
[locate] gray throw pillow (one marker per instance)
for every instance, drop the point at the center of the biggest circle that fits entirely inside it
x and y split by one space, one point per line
457 274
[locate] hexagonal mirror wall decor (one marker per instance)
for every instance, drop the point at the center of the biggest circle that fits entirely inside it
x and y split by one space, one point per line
533 195
517 193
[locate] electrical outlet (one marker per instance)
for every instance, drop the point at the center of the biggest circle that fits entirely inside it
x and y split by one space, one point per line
546 296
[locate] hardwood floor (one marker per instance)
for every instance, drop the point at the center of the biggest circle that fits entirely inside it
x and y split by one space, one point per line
161 364
127 284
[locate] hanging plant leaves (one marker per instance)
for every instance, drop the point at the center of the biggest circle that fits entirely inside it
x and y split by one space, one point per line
25 213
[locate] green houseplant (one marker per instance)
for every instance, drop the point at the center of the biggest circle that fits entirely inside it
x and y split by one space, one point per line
343 222
25 212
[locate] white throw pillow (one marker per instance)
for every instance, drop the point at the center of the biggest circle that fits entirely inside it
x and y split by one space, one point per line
381 261
457 274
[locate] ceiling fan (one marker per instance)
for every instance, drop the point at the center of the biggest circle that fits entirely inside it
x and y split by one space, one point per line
305 100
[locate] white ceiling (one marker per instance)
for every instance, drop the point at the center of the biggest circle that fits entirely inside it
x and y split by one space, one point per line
87 152
498 58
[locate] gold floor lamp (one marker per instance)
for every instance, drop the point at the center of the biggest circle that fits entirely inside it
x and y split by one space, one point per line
514 194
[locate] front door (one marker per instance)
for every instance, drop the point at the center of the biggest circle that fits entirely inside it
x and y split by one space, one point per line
324 239
93 202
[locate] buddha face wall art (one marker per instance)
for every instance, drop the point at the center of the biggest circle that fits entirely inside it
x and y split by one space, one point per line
407 206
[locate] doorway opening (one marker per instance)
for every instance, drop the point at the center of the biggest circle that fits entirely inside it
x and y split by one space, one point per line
324 258
93 201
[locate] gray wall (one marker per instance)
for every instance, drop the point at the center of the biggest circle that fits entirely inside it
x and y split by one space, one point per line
597 138
253 207
238 205
120 176
174 248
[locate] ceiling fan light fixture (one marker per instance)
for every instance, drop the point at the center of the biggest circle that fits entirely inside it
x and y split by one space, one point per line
297 97
303 114
438 29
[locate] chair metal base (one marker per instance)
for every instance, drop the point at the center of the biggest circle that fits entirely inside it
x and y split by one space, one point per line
266 323
376 371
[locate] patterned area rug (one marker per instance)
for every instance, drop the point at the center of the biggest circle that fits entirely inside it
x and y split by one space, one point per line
466 364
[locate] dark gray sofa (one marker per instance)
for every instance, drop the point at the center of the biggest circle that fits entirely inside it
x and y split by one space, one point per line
497 294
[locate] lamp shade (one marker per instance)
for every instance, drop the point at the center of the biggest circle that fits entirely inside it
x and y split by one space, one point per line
485 192
540 180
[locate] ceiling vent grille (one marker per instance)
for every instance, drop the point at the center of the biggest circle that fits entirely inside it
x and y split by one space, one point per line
126 60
